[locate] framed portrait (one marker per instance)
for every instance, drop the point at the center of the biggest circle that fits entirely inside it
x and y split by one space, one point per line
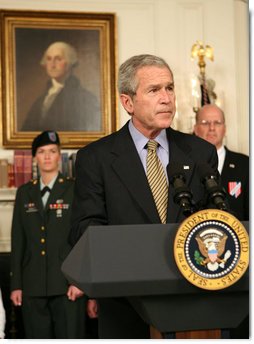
58 72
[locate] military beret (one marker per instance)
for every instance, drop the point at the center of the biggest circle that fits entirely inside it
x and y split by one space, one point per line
45 138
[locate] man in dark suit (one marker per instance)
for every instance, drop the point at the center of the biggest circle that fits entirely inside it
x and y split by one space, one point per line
111 185
65 105
51 307
233 167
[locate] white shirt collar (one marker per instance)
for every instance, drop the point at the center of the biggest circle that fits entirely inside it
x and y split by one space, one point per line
221 152
50 185
140 140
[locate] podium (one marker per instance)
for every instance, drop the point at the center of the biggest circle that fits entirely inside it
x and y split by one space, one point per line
137 262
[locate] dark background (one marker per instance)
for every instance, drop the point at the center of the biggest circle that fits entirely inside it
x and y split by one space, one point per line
14 325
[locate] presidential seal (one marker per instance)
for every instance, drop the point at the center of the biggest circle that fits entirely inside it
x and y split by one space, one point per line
211 249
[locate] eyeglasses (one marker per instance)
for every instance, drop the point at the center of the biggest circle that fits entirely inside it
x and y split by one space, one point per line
206 123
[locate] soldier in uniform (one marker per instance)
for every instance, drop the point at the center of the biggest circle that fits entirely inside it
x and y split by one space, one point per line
51 308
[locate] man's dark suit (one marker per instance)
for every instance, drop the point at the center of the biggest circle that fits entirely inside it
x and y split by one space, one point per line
112 189
74 109
236 169
39 246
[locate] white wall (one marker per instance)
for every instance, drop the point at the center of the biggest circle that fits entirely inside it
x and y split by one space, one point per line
169 28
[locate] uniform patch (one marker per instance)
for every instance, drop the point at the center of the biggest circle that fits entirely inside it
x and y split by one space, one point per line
52 136
56 206
211 249
235 189
59 206
30 208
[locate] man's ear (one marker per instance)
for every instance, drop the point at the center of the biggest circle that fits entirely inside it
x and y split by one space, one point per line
127 103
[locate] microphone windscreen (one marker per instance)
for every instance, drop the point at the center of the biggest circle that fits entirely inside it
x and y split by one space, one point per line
204 171
174 169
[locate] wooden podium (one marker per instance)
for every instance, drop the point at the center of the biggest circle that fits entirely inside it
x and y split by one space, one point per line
137 262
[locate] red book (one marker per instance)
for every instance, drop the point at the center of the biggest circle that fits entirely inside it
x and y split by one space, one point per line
11 180
27 168
18 167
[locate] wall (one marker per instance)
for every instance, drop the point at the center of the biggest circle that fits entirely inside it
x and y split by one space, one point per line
169 28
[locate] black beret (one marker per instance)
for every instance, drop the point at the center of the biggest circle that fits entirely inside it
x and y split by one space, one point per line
45 138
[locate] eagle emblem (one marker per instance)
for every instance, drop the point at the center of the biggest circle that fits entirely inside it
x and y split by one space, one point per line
211 244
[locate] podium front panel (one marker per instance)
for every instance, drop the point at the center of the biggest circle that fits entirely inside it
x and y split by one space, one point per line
137 262
130 260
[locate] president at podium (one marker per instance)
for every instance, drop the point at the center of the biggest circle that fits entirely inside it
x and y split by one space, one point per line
129 177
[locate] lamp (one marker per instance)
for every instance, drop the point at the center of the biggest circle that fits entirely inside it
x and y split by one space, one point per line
198 50
201 52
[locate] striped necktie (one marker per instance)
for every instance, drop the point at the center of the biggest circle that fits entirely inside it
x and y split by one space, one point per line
157 180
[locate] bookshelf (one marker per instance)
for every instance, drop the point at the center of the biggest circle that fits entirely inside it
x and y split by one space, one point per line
7 194
7 198
20 168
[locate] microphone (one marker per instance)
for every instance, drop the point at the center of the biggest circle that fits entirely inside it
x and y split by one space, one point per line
182 195
215 193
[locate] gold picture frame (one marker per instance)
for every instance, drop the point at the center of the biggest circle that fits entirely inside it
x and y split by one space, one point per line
25 36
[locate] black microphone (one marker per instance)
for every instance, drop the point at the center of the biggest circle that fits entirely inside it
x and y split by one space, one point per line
182 194
215 193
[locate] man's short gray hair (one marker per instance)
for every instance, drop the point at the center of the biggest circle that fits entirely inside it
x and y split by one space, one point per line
127 82
68 50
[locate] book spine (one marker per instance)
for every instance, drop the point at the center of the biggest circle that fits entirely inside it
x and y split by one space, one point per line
65 164
11 179
73 160
18 167
27 165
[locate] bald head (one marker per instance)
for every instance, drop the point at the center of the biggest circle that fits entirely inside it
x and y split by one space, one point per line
209 108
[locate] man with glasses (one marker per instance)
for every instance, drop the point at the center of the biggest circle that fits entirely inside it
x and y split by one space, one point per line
233 167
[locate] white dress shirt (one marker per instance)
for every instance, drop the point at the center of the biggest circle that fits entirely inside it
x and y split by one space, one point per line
50 185
221 152
2 317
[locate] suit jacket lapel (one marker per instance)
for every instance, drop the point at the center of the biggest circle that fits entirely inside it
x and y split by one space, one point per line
129 168
226 171
178 153
35 195
133 176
